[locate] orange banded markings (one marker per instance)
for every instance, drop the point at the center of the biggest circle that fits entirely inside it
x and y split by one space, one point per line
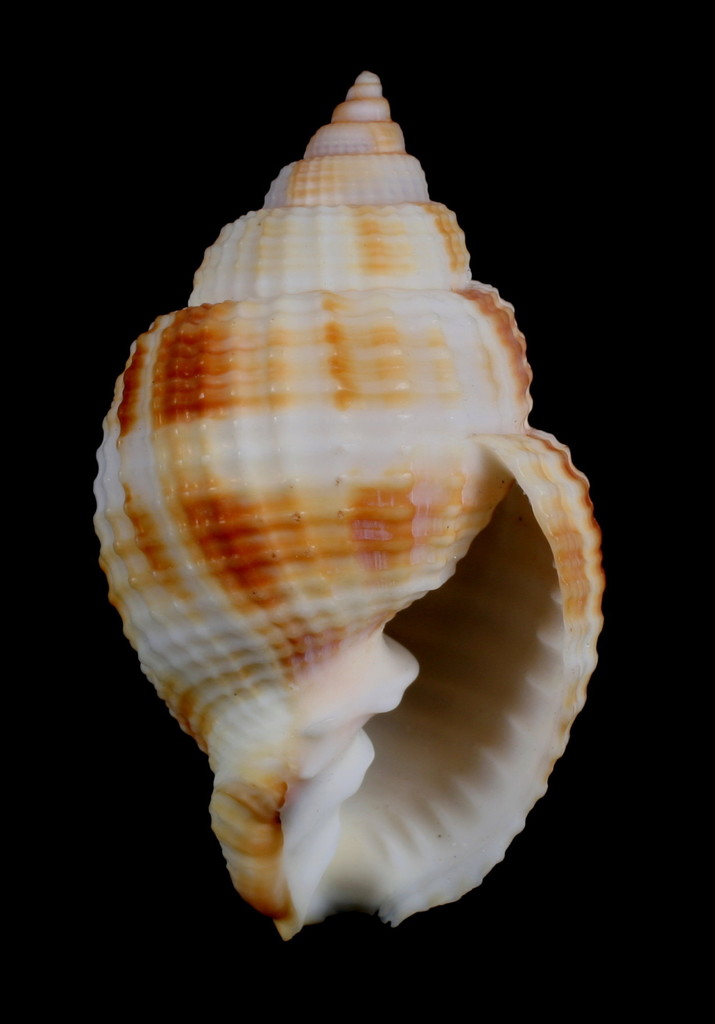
571 530
452 237
129 406
238 548
571 567
383 246
380 520
505 327
312 646
148 537
367 363
333 302
440 510
205 365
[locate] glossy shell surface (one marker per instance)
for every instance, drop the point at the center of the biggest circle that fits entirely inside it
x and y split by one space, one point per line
334 425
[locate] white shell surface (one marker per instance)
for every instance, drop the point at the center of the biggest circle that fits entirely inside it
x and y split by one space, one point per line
262 255
305 451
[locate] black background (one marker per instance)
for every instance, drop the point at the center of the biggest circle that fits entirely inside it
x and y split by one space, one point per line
530 141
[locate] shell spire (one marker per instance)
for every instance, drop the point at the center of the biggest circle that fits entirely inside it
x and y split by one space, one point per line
357 201
364 101
359 158
360 124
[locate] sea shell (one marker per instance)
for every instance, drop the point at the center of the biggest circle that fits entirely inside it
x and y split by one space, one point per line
306 450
